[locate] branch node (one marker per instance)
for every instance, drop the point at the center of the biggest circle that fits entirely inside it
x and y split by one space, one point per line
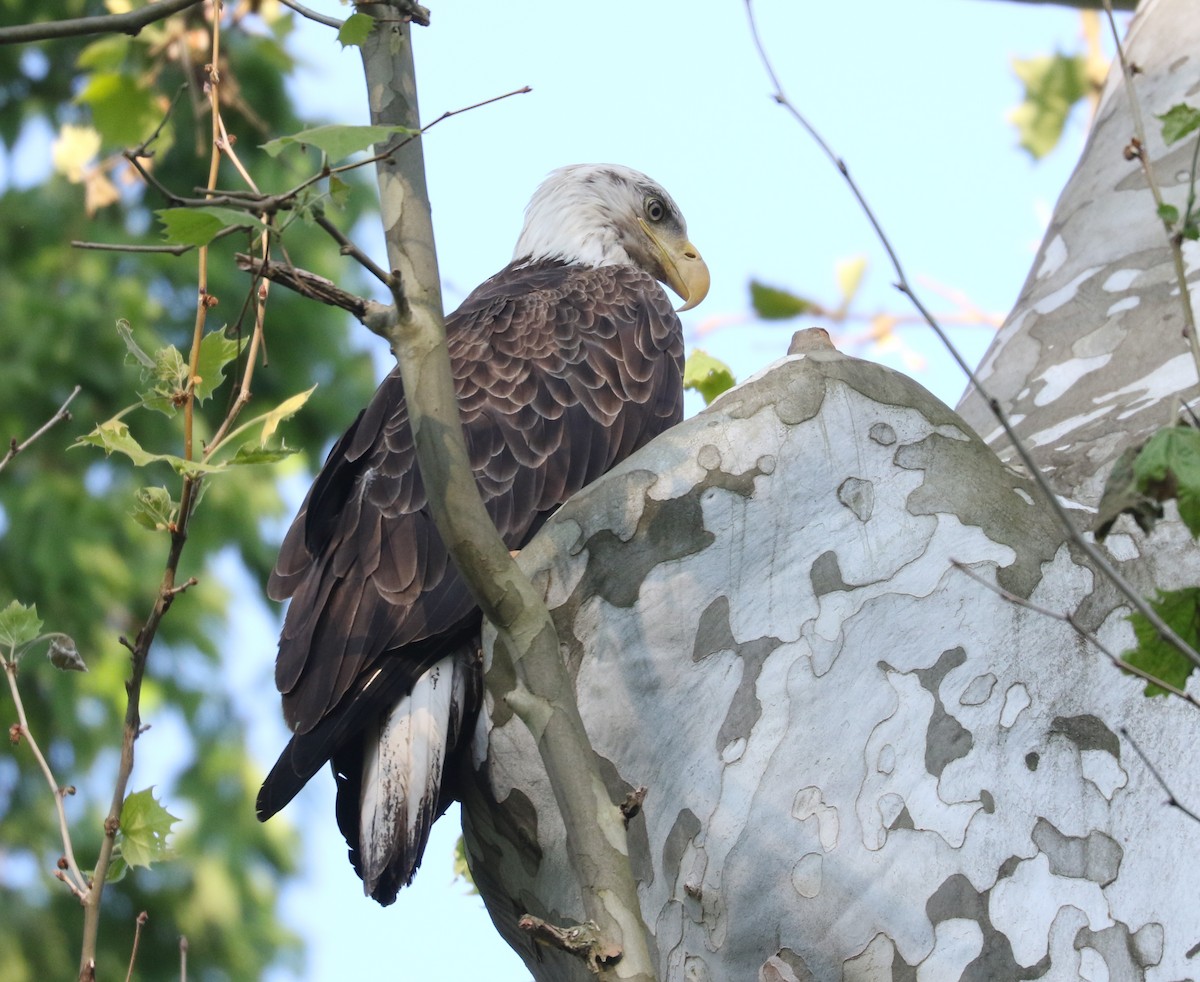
581 940
632 804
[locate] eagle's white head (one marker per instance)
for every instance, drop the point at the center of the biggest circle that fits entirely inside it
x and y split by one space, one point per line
606 214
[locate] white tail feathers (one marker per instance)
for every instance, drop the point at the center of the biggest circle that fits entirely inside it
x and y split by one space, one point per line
402 773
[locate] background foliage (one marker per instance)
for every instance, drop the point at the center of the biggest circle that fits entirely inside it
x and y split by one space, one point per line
67 541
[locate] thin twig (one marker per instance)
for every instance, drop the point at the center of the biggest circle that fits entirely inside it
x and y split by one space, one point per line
1171 799
313 14
72 876
1139 149
1078 628
139 921
60 414
128 23
183 953
994 404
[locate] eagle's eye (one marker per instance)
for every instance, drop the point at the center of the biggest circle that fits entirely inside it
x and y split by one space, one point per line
656 211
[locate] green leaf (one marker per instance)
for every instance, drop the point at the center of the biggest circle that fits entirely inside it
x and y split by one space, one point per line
145 825
252 453
355 29
772 303
339 191
199 226
113 436
18 625
154 509
337 142
461 870
1180 609
169 375
134 349
123 111
105 55
707 375
1123 494
1168 213
1169 467
216 352
1053 84
1178 121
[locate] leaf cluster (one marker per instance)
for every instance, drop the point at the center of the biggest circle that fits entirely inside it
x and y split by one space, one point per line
77 529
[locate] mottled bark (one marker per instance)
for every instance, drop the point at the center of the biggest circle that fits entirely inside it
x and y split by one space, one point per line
861 763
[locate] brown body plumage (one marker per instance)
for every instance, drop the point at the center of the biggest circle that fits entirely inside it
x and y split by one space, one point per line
561 370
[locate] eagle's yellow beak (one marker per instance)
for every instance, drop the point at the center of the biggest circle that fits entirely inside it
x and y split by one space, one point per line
686 273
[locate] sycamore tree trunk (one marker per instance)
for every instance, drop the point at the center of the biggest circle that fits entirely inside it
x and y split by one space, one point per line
860 762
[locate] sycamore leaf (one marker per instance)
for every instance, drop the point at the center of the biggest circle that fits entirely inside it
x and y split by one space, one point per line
253 453
199 226
849 274
154 509
1123 494
772 303
1178 121
1169 467
145 825
98 192
18 625
216 352
135 350
73 150
107 54
113 436
707 375
355 29
1168 213
1053 84
269 421
123 110
336 141
1180 609
461 870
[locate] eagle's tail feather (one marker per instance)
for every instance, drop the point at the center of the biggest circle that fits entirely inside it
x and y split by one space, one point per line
404 758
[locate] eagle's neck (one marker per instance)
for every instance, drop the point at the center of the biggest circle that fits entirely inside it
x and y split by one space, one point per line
570 228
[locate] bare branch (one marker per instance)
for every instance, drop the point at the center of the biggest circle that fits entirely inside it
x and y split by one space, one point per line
1171 799
138 923
311 285
313 15
581 940
60 414
1088 636
128 23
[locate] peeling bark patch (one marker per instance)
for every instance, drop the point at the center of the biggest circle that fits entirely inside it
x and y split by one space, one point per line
1087 733
902 821
987 802
685 828
946 739
1096 857
859 496
785 966
956 899
981 502
979 691
714 634
1032 759
826 575
883 434
1127 956
806 875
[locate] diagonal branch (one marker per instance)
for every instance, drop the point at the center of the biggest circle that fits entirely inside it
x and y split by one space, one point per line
128 23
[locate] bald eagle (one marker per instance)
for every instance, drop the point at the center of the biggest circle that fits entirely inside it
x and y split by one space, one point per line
565 362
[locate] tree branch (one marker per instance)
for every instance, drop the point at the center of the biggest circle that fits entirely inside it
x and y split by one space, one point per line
60 414
128 23
544 697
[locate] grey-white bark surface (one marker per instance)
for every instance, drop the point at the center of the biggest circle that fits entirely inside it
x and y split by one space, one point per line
1092 357
862 764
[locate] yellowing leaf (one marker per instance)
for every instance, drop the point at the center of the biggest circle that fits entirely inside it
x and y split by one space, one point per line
99 192
849 275
73 150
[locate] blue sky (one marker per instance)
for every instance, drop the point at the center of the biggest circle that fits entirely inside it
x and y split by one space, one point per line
913 96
